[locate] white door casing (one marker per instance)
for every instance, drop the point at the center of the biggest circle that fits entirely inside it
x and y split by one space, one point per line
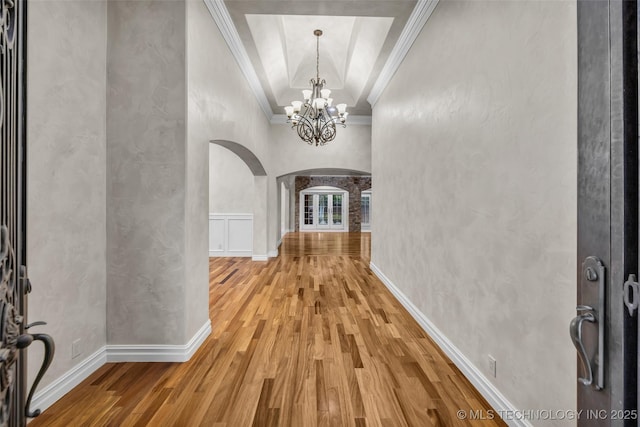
324 209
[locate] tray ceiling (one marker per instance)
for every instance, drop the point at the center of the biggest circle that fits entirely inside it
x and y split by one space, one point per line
358 38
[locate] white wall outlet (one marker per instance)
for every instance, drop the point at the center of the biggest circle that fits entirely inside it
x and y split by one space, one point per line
492 365
76 348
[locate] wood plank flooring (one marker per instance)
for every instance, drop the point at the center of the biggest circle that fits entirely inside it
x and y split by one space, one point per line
311 338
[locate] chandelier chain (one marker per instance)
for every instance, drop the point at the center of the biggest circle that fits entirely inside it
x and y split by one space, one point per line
318 58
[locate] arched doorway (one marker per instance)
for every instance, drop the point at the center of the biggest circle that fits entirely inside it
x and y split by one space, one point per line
239 226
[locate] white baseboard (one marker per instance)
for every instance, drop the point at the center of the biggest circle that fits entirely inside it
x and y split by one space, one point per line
270 254
473 374
322 230
230 254
117 353
159 353
63 385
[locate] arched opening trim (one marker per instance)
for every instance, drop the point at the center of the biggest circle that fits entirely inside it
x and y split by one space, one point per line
245 154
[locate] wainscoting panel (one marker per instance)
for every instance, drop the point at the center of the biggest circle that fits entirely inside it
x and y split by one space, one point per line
230 235
216 235
240 232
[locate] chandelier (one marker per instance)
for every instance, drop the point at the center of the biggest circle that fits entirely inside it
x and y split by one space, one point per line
315 118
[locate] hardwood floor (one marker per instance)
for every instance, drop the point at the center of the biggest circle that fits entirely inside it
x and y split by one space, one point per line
311 338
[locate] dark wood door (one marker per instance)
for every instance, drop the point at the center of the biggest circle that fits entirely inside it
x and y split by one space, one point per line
607 211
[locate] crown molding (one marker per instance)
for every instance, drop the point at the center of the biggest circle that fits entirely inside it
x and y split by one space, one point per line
221 16
417 20
281 119
415 23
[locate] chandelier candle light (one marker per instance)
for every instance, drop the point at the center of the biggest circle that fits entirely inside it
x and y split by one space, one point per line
315 118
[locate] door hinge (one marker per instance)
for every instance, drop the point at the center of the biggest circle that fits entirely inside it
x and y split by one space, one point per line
631 294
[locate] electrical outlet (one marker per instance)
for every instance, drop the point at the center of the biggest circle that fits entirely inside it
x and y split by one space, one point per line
76 348
492 365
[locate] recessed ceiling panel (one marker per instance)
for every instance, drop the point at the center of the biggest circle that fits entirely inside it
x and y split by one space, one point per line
349 48
358 37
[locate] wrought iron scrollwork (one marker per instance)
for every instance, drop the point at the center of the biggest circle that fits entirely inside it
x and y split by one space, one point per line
316 127
316 123
10 338
10 323
8 21
14 283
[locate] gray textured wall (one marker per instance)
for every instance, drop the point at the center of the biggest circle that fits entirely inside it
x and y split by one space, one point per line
66 177
350 150
197 189
230 182
114 223
146 172
222 106
475 164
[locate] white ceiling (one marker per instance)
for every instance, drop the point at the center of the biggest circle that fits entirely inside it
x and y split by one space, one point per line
358 38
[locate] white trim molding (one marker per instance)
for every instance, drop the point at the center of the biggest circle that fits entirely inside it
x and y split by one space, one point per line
63 385
230 235
415 23
417 20
223 20
270 254
160 352
118 353
330 228
499 402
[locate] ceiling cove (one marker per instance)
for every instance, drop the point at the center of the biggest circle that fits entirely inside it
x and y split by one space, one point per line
365 45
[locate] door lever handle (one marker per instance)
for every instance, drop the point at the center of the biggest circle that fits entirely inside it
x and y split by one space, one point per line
38 323
49 350
631 294
24 341
575 330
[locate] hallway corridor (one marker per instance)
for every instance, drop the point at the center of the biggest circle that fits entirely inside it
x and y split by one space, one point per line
311 338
